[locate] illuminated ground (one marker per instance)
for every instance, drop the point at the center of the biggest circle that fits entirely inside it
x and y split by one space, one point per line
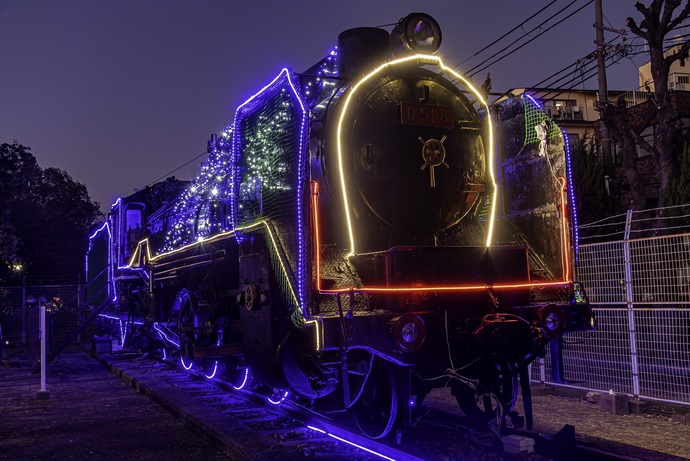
90 414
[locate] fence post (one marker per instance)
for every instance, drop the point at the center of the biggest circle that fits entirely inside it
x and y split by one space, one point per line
23 309
629 299
79 307
2 345
43 393
556 355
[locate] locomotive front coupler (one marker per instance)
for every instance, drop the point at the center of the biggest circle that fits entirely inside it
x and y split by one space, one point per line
499 336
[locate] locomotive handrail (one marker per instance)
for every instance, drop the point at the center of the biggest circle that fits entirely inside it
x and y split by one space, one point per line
65 342
343 326
88 301
179 263
183 260
82 289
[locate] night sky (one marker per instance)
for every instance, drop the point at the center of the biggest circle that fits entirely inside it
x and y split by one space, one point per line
120 93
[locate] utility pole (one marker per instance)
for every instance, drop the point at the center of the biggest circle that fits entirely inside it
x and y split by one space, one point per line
601 74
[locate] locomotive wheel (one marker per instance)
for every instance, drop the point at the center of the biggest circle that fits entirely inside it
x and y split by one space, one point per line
236 372
485 407
194 332
377 407
209 367
186 322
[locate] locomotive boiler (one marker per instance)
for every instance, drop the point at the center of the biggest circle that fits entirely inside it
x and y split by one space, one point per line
337 247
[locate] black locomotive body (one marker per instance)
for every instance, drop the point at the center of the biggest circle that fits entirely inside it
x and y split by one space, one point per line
337 245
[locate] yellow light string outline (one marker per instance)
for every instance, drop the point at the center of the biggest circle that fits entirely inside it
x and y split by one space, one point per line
423 59
230 234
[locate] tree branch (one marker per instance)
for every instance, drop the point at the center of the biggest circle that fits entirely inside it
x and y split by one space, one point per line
681 53
619 117
642 142
641 8
650 113
667 14
680 18
632 25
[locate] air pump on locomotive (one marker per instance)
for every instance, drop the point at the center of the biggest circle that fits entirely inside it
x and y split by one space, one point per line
338 247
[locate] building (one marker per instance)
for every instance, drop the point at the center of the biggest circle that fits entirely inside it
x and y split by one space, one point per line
575 112
678 77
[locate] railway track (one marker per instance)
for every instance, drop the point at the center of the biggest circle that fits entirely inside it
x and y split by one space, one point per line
243 424
248 425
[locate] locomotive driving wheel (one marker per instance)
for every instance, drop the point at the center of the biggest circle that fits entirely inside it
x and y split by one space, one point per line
485 402
185 328
236 372
376 408
195 332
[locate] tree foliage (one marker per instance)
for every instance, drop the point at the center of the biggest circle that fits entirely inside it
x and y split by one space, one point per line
626 126
45 216
678 191
593 180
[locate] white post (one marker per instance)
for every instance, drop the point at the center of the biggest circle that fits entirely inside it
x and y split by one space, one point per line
43 394
630 301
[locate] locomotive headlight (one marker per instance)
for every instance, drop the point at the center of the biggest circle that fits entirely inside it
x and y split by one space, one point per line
408 331
416 33
552 320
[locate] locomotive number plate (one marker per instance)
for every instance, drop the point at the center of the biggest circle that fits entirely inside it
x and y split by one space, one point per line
426 115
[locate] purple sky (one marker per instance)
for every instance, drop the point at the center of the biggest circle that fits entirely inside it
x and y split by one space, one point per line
120 93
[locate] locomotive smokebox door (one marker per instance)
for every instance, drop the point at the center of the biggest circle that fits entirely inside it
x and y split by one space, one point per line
431 159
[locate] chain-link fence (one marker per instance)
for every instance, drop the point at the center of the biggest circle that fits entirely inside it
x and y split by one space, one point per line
19 315
640 290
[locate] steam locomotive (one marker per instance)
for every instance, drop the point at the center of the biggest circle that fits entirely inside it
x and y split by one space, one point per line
337 247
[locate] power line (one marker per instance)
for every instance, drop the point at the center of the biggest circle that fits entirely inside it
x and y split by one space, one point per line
526 34
178 168
506 34
575 64
576 77
587 59
529 41
615 59
570 85
588 73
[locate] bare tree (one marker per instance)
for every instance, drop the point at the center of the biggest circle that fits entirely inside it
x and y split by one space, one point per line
626 126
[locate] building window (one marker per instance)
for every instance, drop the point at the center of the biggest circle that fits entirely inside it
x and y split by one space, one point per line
564 109
564 103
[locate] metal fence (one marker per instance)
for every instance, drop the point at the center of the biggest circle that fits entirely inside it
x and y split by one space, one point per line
637 274
640 290
19 311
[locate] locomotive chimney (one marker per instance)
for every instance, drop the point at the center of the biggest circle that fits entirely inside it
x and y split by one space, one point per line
361 49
